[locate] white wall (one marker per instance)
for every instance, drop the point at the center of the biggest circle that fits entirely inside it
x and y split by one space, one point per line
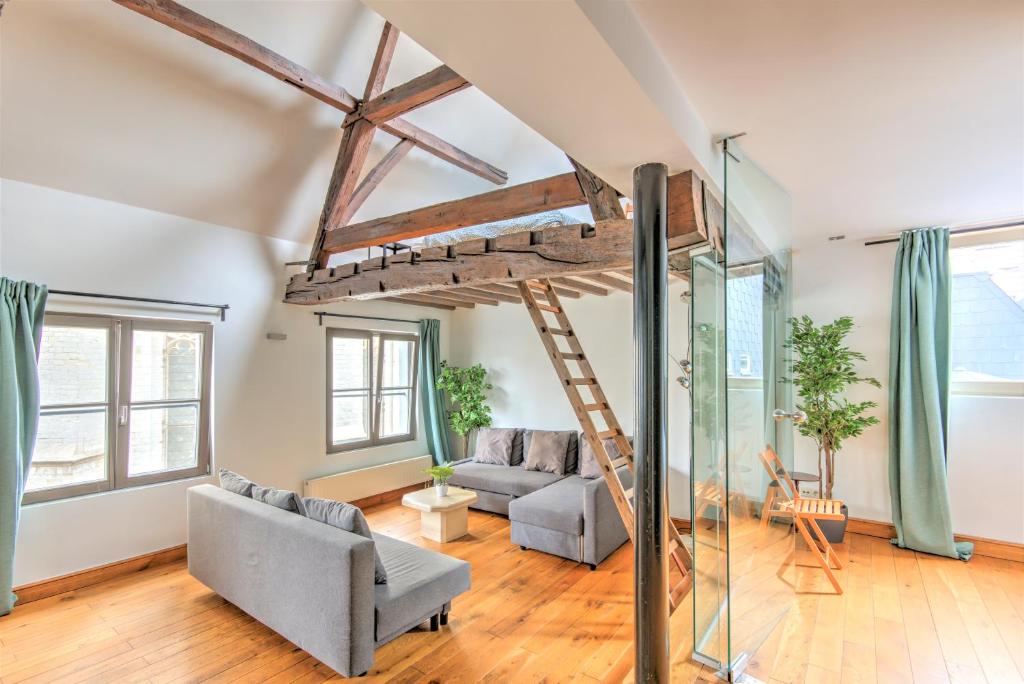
986 434
269 413
527 392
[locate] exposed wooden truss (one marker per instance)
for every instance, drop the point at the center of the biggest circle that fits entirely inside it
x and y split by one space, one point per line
579 258
375 110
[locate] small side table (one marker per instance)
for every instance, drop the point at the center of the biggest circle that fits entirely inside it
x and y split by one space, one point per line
442 518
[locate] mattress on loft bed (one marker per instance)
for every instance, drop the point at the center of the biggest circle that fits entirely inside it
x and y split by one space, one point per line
522 224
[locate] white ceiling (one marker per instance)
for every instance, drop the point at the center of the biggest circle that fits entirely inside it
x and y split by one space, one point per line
873 115
101 101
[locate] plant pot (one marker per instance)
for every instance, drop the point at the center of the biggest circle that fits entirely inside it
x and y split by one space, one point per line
835 530
442 489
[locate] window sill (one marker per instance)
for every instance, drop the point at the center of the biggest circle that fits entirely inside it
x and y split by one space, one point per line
995 388
197 479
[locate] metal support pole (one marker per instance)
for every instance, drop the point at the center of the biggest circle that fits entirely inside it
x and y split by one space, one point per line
650 339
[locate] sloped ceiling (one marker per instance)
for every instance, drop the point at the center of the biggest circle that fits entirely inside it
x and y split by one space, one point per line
101 101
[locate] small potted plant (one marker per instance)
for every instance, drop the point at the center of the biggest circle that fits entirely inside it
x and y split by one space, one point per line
822 371
441 474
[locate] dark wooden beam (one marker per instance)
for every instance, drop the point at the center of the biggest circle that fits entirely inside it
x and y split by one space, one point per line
184 20
420 91
602 198
374 177
556 192
218 36
442 149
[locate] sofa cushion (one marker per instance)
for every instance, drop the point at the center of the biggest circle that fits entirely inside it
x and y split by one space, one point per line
420 582
500 479
571 452
547 452
517 448
589 467
494 445
280 498
558 507
233 482
346 517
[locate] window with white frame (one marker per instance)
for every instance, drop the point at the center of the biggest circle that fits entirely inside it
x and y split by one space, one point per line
371 388
988 313
124 402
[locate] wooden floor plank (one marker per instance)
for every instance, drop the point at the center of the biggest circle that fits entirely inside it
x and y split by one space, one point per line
532 617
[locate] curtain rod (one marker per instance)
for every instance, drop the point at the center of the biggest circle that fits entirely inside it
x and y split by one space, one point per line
320 317
149 300
979 229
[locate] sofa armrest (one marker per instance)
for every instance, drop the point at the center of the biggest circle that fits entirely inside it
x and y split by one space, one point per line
461 461
603 529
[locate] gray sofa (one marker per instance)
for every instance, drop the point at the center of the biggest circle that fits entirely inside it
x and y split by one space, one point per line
313 583
564 515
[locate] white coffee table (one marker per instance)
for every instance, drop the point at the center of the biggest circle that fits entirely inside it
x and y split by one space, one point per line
442 518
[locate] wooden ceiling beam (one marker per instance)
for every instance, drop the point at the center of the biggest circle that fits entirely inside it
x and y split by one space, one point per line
485 291
604 279
582 286
442 149
430 297
184 20
412 301
422 90
220 37
602 198
556 192
374 177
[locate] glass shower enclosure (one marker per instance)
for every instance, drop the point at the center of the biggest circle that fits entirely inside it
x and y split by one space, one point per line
740 303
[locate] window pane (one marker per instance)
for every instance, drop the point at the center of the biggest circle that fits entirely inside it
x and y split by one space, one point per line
394 413
351 417
988 312
746 301
162 438
73 365
165 365
71 448
351 358
396 368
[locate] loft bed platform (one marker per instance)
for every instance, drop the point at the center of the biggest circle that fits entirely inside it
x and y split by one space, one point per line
577 259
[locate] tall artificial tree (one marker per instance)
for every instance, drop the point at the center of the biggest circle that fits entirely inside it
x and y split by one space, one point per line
466 388
823 370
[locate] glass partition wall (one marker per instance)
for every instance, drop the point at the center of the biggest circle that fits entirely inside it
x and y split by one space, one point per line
739 307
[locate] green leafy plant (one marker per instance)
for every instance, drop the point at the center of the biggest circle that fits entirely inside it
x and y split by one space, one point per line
824 368
441 473
466 388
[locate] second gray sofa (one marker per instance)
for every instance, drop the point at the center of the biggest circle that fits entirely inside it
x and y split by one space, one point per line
565 515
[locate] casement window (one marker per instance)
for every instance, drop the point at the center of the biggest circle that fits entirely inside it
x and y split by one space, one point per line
371 388
988 313
124 402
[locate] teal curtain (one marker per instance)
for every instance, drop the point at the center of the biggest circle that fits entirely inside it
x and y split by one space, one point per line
919 369
435 413
21 329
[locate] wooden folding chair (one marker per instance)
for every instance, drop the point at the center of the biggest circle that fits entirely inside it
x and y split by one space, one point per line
805 513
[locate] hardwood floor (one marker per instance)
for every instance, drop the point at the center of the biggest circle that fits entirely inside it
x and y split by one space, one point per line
532 617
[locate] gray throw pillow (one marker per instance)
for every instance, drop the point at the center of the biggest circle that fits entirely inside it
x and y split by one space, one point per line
547 452
346 517
279 498
233 482
517 449
494 446
571 454
589 467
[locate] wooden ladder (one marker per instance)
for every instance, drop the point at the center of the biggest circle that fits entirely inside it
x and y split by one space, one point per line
623 498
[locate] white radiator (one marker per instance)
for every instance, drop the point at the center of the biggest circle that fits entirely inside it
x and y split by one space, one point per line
359 484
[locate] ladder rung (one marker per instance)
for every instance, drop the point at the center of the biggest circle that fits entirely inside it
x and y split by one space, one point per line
628 493
680 591
619 462
608 434
549 308
559 331
570 356
582 381
538 286
595 407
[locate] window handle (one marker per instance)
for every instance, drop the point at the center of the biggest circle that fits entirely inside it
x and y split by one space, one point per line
122 416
